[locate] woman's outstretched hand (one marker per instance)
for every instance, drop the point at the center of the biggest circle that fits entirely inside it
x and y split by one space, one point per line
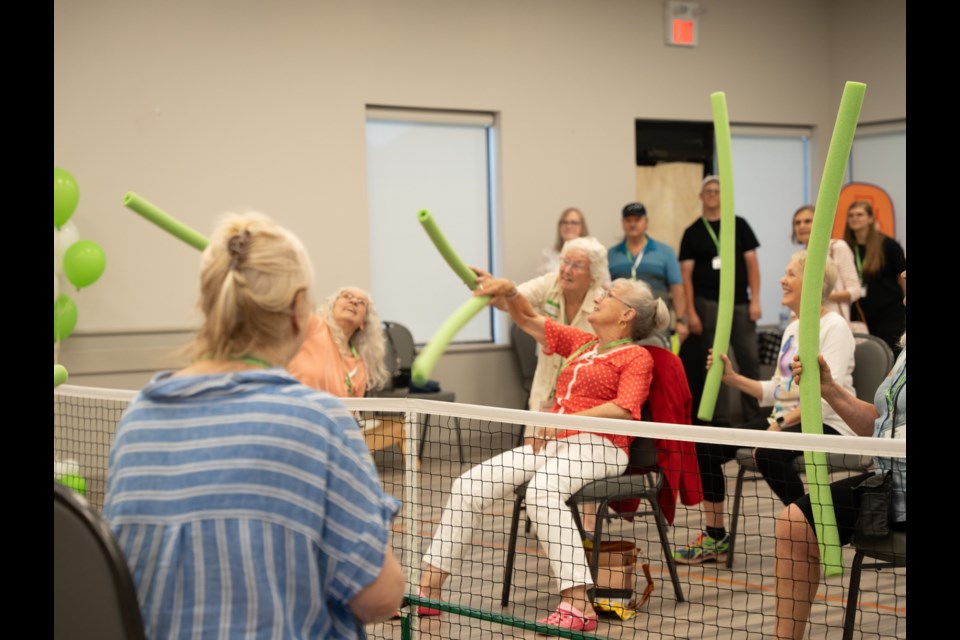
494 287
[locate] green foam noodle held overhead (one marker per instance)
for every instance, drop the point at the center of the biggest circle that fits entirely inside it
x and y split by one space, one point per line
428 356
165 221
440 242
811 414
728 228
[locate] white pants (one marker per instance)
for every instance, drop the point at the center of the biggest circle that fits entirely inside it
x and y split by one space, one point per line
560 469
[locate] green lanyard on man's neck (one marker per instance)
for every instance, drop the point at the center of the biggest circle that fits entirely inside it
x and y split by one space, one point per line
710 230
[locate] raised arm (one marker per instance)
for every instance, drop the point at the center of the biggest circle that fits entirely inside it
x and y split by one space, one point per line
505 292
859 415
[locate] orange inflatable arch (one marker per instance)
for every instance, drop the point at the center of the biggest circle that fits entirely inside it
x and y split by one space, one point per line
878 198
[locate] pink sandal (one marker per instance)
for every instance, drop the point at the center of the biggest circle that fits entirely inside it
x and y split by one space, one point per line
569 617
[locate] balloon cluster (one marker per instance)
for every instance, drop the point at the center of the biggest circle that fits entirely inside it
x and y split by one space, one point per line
81 261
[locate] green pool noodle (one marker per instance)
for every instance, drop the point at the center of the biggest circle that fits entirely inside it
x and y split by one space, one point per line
440 242
818 477
59 375
165 221
428 356
77 483
728 229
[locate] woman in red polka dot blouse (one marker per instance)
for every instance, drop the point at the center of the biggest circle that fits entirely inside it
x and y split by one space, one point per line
604 374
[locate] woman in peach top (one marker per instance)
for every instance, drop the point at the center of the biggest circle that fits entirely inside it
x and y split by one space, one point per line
343 353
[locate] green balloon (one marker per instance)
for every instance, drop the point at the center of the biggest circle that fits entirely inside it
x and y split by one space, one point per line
83 263
65 196
64 317
60 375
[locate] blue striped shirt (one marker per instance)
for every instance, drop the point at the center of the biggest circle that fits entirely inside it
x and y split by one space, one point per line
247 505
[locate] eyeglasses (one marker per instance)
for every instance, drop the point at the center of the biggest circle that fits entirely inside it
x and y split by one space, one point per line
570 223
573 266
608 293
357 300
711 192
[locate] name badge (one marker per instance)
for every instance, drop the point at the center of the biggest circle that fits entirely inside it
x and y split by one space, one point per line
551 309
716 263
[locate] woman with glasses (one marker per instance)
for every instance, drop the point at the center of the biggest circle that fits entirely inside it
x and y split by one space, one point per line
571 225
603 374
343 353
567 296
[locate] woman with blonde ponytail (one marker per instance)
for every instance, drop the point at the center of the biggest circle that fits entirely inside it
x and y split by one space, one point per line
247 504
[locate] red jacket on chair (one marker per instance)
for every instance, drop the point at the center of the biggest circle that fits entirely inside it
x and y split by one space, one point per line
670 401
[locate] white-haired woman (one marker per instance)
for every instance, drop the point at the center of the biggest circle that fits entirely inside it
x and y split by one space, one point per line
343 353
247 504
604 374
567 296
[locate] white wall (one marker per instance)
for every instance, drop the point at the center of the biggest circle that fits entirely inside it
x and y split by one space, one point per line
204 107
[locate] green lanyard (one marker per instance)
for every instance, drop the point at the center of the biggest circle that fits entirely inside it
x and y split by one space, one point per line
637 260
251 360
856 253
348 378
712 234
586 346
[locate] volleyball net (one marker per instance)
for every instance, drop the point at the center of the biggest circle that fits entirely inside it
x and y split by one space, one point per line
509 553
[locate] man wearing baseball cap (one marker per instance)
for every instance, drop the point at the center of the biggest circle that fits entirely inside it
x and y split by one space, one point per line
640 257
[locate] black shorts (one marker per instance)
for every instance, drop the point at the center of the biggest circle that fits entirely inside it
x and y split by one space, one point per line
846 503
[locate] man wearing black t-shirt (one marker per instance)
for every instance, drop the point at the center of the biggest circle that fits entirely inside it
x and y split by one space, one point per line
700 267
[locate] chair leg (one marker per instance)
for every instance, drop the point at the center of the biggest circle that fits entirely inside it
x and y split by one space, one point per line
511 551
853 597
594 562
665 545
735 516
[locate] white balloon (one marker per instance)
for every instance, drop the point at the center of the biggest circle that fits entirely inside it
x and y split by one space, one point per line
62 239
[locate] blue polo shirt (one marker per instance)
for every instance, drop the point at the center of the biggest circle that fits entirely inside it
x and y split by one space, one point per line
658 268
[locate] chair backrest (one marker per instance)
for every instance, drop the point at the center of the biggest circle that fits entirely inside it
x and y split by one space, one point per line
402 341
873 360
525 347
93 593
